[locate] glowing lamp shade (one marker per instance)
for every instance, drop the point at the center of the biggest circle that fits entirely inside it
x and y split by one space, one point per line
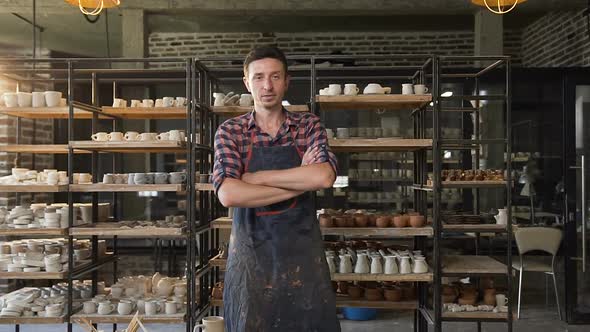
498 6
93 7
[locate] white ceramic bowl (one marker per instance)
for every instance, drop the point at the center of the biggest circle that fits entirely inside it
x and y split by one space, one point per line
52 98
24 99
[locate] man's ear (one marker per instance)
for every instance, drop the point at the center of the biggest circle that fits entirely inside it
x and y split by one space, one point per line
246 83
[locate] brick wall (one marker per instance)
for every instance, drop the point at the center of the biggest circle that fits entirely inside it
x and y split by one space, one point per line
205 45
558 39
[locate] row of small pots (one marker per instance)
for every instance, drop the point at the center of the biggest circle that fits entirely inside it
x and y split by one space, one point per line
375 292
372 220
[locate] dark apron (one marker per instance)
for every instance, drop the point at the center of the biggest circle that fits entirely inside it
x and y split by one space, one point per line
277 278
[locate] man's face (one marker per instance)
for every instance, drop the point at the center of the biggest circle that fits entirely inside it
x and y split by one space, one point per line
267 81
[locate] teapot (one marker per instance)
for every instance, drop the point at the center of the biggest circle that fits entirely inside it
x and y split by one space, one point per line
501 217
345 264
362 264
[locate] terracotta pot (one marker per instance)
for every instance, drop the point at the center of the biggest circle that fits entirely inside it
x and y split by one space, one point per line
355 292
350 221
340 221
489 296
406 219
448 298
372 220
361 220
467 300
449 290
326 220
217 292
343 287
383 221
393 294
373 294
399 222
416 221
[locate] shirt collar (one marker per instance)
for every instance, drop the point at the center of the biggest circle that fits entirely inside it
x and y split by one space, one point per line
289 121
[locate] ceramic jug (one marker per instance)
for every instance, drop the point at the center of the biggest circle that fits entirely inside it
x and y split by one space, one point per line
345 264
501 217
331 264
362 264
420 265
376 266
404 265
390 265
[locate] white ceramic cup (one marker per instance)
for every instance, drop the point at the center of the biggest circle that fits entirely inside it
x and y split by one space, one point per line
84 178
117 291
147 103
246 99
351 89
116 136
24 99
124 307
180 102
176 135
159 103
89 307
52 98
420 89
163 136
211 324
100 137
105 308
167 101
11 99
170 308
501 300
407 89
38 99
52 178
118 102
334 89
148 136
151 307
131 136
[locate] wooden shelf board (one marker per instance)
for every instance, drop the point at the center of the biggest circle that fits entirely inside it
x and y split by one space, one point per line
204 186
33 188
239 110
373 102
34 275
114 229
101 187
411 277
382 180
345 301
475 315
375 231
38 148
33 231
472 265
131 146
464 184
116 318
61 112
32 320
474 228
222 223
378 144
146 112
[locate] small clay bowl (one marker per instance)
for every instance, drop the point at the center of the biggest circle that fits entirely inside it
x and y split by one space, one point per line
417 221
383 221
393 294
326 220
373 294
350 221
399 222
361 220
406 218
355 292
340 221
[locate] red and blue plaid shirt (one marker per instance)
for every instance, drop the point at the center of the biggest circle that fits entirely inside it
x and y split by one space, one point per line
233 138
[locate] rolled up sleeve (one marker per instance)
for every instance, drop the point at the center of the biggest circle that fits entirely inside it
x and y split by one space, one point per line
228 162
316 136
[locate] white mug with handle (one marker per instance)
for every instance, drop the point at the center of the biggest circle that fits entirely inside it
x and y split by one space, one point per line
211 324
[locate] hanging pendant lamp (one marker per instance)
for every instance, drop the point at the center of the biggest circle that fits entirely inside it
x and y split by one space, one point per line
499 7
93 7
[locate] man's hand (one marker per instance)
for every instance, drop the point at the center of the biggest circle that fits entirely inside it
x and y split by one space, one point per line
310 156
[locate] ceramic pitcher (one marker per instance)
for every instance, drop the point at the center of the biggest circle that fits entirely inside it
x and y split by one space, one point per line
362 264
390 265
331 264
420 265
501 217
404 266
345 264
376 266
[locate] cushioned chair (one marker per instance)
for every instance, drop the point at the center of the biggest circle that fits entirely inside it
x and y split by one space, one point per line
537 239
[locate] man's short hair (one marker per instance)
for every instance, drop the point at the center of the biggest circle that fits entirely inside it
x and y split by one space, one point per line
262 52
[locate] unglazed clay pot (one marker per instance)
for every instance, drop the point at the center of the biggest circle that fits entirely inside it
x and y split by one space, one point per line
383 221
373 294
393 294
372 220
326 220
350 221
489 296
355 292
399 222
340 221
416 221
361 220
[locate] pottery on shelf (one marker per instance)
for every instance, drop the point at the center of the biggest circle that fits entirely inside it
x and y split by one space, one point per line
361 220
417 221
382 221
393 294
373 294
355 292
399 222
326 220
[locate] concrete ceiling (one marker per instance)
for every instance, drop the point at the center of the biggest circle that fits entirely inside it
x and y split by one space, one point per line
67 31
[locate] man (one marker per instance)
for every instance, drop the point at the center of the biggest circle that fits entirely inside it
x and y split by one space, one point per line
277 277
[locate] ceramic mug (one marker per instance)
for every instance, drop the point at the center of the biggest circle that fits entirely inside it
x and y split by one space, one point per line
147 103
84 178
117 291
159 103
52 98
148 136
105 308
177 177
118 102
211 324
100 137
170 307
140 178
176 135
52 178
246 99
116 136
89 307
108 179
163 136
351 89
407 89
131 136
501 300
161 178
334 89
124 307
135 103
151 307
168 101
420 89
180 102
38 99
24 99
342 133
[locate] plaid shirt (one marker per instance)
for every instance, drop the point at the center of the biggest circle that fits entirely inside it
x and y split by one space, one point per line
232 142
